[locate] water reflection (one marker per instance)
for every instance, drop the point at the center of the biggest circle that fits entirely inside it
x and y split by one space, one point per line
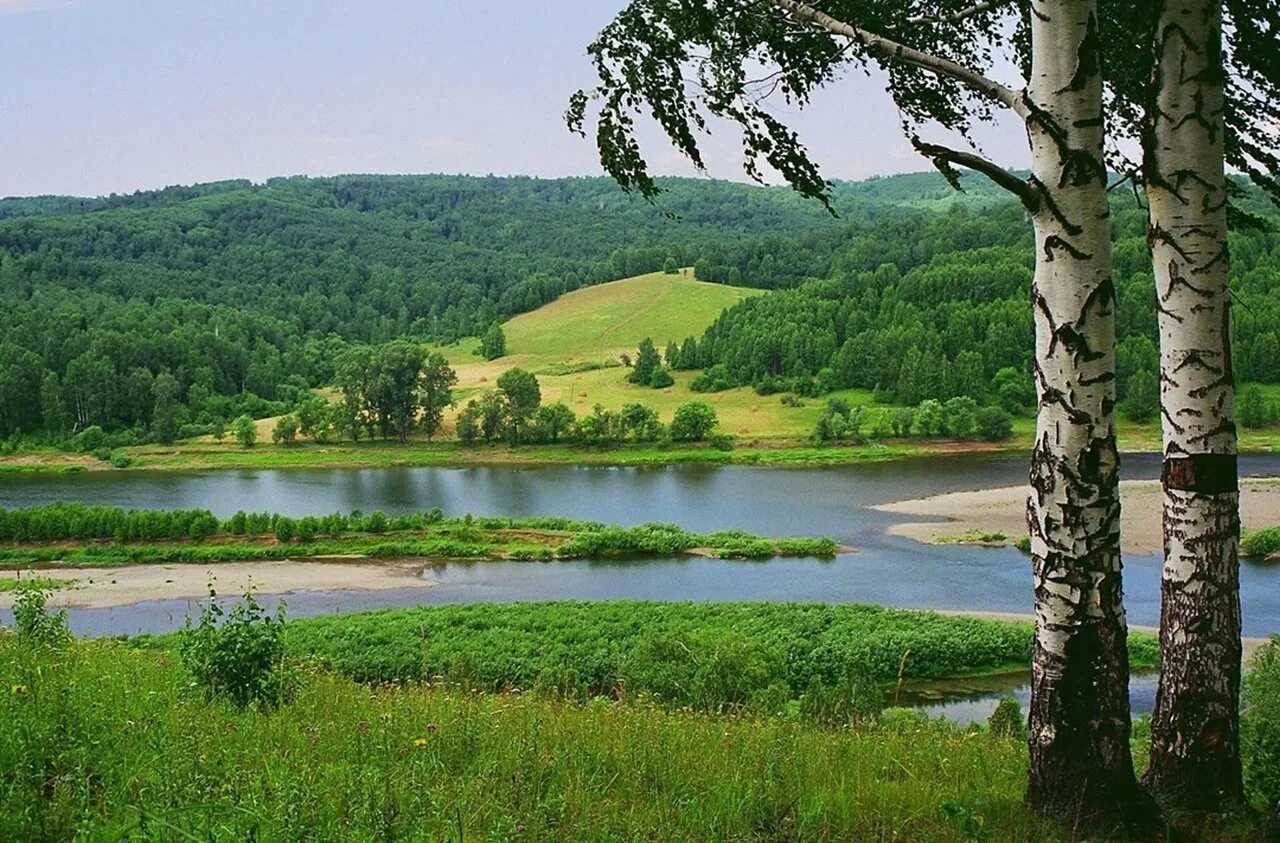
973 699
773 501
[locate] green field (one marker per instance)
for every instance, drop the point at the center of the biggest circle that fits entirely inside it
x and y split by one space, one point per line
708 655
597 323
107 742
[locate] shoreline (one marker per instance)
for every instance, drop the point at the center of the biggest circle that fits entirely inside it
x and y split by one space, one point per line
127 585
1003 510
756 451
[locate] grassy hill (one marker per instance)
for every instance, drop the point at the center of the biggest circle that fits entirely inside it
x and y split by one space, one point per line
574 344
598 323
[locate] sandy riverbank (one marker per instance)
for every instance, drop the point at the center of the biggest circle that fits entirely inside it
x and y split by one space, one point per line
1004 510
101 587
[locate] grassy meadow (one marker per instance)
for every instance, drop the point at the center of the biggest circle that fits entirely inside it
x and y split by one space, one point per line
103 741
707 655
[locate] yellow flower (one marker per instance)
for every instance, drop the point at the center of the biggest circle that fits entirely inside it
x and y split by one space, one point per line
420 742
21 690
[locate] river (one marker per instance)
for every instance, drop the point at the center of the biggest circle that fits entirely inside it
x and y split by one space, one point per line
828 501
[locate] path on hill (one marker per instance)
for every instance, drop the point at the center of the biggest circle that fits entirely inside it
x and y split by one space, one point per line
639 312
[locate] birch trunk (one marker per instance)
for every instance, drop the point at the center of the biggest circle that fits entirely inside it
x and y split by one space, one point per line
1195 749
1081 770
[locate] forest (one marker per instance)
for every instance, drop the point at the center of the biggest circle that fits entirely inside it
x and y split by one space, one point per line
940 310
246 295
167 314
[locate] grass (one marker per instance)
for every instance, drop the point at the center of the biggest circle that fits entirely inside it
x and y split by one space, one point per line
974 536
541 539
702 654
1260 544
601 321
14 584
107 742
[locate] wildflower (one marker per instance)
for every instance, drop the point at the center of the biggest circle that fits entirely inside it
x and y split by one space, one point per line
21 690
419 742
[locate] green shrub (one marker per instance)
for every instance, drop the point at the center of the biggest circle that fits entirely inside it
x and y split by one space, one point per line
1260 725
33 623
90 439
1261 543
720 442
1007 720
237 655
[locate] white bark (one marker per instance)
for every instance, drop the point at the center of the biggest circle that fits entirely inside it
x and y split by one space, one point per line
1195 762
1081 767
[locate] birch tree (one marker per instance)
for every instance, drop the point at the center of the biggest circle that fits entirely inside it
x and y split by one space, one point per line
938 59
1192 106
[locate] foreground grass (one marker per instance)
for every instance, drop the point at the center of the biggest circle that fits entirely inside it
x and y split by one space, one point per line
106 742
707 655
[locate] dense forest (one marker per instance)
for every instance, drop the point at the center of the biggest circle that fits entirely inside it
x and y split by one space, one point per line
246 294
170 312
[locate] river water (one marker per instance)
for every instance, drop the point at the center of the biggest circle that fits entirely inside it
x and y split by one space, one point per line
831 501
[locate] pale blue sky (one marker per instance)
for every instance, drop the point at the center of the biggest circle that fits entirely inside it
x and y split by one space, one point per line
99 96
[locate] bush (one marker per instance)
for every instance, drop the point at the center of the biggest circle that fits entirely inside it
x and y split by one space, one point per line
661 379
239 657
286 430
1261 543
720 442
32 621
1007 720
715 379
994 424
244 431
1260 725
1253 408
90 439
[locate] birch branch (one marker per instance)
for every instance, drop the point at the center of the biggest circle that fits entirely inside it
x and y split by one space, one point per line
888 48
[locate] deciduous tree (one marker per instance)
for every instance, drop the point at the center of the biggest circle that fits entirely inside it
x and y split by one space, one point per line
937 61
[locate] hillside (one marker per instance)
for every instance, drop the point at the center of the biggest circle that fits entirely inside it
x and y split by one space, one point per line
246 292
598 323
198 304
574 345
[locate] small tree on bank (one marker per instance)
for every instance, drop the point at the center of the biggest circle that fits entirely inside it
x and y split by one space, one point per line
522 396
435 392
286 430
693 421
244 431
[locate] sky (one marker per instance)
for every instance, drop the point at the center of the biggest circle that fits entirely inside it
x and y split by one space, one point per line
102 96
